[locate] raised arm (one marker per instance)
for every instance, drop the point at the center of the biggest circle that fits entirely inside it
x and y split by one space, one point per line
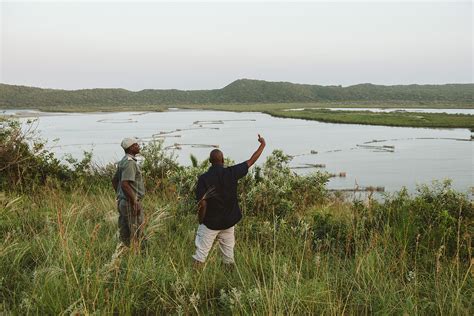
258 152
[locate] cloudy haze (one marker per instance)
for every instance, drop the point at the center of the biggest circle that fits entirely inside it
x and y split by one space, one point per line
208 45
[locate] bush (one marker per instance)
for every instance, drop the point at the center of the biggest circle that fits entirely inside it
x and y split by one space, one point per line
332 235
158 165
436 219
25 164
278 190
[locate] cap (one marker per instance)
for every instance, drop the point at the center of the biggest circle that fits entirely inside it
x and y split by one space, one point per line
127 142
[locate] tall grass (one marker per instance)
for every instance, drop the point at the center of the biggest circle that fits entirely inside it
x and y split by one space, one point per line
57 249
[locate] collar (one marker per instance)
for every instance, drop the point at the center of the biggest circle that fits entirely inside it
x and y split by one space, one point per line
216 167
130 157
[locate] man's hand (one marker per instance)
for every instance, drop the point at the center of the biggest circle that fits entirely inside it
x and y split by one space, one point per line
132 198
136 207
202 208
257 154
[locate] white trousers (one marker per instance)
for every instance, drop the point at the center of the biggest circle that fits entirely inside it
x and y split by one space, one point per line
205 238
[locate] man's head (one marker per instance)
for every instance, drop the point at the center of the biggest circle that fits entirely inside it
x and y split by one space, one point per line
130 146
216 157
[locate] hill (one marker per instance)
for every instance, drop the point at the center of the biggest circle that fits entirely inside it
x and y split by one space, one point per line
243 91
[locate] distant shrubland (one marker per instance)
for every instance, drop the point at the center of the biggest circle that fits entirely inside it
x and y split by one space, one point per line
243 91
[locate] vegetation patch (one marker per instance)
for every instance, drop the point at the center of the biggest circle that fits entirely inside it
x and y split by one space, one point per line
240 92
403 119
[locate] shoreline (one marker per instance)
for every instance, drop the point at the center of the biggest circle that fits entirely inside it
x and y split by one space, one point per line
403 118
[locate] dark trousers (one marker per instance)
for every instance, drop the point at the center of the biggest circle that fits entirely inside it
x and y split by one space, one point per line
130 226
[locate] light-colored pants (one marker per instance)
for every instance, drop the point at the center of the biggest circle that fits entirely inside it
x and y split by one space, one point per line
205 238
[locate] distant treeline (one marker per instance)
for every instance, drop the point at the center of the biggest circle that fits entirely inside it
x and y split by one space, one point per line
239 91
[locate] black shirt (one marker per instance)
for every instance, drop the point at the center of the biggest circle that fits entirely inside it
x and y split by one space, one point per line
223 209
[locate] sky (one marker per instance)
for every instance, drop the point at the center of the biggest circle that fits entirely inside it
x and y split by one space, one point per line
207 45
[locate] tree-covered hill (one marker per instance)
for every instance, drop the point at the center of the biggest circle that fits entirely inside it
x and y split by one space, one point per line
239 91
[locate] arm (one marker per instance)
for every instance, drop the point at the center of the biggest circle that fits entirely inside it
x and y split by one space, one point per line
202 207
258 152
115 181
127 189
201 198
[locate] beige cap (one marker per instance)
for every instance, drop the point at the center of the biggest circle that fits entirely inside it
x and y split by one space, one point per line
127 142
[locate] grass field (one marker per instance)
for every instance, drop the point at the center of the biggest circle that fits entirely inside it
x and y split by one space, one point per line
57 250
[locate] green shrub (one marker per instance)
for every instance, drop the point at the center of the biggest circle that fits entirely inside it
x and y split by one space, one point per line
435 219
331 235
25 163
158 163
277 190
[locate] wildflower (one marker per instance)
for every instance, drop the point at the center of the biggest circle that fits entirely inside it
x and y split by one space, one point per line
224 298
194 299
411 275
236 296
253 296
317 260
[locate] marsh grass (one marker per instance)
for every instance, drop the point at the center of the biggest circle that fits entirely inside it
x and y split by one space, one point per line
402 119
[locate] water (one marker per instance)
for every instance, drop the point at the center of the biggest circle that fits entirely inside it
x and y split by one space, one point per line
420 155
447 111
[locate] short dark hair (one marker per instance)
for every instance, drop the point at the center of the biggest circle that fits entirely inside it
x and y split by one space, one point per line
216 157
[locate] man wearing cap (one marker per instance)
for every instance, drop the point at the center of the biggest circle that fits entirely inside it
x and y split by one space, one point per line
128 183
218 208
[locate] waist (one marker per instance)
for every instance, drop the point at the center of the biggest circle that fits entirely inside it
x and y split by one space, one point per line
122 198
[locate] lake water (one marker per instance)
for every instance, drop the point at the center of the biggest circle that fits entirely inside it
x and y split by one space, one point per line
411 156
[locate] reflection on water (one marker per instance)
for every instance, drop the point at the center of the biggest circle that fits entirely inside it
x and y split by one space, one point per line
390 157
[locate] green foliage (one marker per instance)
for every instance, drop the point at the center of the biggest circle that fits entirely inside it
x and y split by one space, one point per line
277 190
238 92
158 164
25 163
437 219
405 119
194 160
332 235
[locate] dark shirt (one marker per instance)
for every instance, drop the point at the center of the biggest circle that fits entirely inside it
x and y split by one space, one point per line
223 209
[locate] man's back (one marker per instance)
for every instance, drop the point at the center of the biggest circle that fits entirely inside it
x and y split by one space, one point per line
223 210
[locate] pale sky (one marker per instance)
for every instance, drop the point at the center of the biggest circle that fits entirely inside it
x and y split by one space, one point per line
207 45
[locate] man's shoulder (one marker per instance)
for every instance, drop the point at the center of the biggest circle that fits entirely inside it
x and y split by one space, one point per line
241 165
204 175
127 161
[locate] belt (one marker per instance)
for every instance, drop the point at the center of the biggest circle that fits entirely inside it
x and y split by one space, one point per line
125 199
